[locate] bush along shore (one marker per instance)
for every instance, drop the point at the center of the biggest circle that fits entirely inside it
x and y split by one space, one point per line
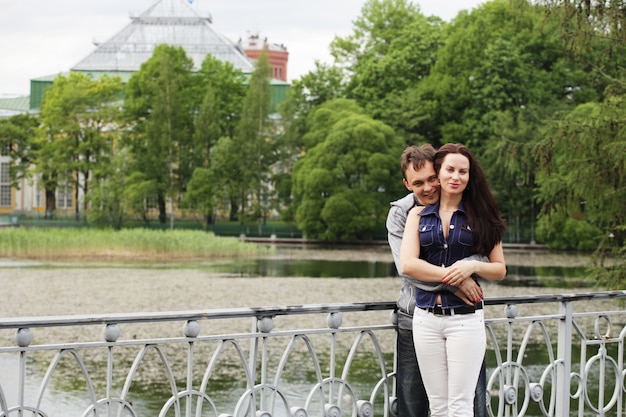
53 243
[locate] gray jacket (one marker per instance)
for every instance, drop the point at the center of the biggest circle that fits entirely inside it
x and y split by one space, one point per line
396 219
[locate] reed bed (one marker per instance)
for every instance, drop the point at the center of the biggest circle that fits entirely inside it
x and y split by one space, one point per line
72 243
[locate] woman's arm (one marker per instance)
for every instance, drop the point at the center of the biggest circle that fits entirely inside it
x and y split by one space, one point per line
494 270
410 262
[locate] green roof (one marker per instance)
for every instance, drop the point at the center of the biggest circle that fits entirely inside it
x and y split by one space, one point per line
10 106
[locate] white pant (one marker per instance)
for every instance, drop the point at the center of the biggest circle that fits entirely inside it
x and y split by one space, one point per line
450 351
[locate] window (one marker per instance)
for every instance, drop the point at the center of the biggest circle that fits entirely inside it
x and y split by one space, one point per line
5 185
64 196
6 151
150 203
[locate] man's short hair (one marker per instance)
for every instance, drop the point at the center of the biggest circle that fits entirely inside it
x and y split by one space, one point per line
416 156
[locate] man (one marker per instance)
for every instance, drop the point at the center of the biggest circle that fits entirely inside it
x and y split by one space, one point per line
420 179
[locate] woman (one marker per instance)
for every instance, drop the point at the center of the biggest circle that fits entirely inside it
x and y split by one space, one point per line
449 335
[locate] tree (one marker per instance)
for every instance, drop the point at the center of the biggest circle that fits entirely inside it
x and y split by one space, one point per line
343 184
79 118
594 34
255 138
159 101
580 151
17 138
221 91
108 198
227 168
582 176
139 193
501 75
313 89
392 48
305 95
202 194
503 57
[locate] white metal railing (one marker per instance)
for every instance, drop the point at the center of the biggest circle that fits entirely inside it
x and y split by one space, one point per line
312 360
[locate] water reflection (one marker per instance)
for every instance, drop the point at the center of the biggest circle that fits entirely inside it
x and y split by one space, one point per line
547 276
517 275
281 268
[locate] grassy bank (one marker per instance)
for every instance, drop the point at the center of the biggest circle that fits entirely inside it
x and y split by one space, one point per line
71 243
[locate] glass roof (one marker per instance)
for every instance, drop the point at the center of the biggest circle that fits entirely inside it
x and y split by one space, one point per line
171 22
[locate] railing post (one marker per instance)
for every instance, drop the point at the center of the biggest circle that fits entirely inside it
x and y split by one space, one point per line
23 338
191 330
564 358
111 333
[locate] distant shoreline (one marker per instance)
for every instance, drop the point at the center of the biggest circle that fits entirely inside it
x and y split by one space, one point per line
302 241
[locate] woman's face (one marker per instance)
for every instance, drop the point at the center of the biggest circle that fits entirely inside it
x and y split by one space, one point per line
454 173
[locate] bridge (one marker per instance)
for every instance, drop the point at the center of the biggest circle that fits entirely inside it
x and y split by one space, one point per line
547 355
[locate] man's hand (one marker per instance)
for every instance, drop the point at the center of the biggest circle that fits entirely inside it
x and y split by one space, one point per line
469 291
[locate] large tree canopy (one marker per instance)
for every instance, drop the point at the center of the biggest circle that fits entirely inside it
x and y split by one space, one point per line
391 49
343 184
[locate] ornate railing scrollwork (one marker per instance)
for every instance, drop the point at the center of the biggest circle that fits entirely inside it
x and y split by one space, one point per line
561 362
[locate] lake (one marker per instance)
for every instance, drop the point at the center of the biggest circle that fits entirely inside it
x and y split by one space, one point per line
287 275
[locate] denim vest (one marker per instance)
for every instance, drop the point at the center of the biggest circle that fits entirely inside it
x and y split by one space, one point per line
435 249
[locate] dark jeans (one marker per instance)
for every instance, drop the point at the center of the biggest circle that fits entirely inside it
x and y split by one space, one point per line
412 399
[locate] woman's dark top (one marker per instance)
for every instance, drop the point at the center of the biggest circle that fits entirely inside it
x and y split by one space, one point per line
435 249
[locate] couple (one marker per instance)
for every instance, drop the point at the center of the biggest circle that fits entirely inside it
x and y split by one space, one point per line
441 236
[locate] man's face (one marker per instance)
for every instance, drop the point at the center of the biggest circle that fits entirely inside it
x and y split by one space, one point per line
422 183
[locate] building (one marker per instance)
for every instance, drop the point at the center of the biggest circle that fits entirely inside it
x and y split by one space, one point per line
172 22
277 54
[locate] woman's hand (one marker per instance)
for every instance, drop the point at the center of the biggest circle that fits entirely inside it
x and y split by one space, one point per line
459 272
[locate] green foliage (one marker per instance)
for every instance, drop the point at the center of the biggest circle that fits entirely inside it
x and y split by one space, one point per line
322 84
202 194
227 166
342 185
256 140
315 88
500 58
139 191
132 243
18 137
583 162
609 264
582 166
159 100
391 49
594 33
219 90
321 121
536 89
79 120
349 216
566 233
108 202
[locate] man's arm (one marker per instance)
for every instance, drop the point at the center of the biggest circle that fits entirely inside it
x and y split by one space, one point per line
396 220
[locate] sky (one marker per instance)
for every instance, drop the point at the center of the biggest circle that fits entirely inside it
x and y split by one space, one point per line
47 37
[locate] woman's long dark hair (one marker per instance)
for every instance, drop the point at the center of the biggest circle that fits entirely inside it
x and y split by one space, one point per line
480 206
